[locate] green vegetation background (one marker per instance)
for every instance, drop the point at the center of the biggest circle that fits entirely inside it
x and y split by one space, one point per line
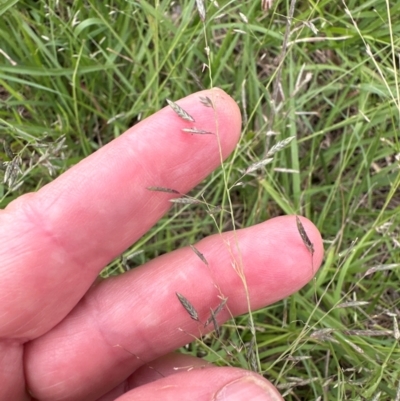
74 75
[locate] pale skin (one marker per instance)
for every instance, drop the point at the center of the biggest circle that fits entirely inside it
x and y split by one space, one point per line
65 335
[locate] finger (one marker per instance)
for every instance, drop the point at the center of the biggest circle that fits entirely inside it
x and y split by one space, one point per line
207 385
12 381
135 318
55 242
167 365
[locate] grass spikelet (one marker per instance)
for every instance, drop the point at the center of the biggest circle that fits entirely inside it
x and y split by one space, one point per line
199 254
197 131
7 150
215 323
219 308
12 171
185 201
306 240
396 332
266 5
323 334
180 112
279 146
257 165
201 9
243 18
216 311
188 307
206 101
163 189
380 268
352 304
251 355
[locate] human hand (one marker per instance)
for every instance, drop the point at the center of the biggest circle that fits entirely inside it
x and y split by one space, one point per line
65 338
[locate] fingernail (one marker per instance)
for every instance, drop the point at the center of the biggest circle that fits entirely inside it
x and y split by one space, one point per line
248 388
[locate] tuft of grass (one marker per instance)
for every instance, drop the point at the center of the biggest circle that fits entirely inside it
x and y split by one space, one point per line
75 75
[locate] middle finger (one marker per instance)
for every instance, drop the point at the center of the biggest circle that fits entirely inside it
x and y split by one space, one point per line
139 310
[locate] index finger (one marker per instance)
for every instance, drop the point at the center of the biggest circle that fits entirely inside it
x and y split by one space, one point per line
57 240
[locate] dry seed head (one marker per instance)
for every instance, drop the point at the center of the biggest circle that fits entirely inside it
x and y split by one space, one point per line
266 4
17 186
201 9
286 170
279 146
322 334
244 18
379 268
257 165
59 144
352 304
298 358
7 150
206 101
307 242
180 112
185 201
354 346
396 331
188 307
12 171
199 254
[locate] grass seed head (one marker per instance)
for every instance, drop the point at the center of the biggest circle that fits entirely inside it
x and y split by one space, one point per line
201 9
199 254
180 112
188 307
206 101
306 240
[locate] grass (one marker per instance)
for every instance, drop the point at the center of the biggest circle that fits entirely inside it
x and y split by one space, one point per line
88 70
